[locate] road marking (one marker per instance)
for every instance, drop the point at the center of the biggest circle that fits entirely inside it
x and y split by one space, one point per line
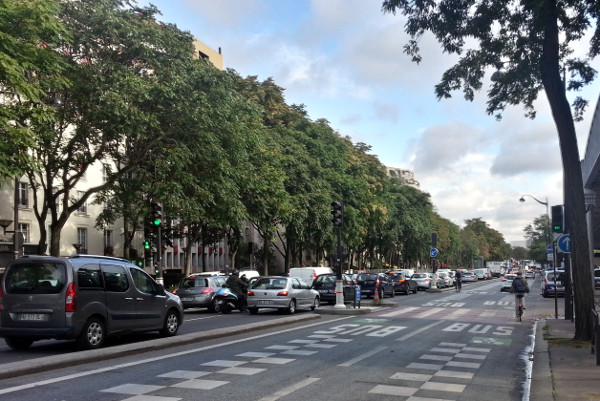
363 356
455 388
429 312
414 333
454 374
157 358
400 312
393 390
289 390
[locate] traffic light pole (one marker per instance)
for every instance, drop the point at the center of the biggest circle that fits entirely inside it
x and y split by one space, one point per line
339 285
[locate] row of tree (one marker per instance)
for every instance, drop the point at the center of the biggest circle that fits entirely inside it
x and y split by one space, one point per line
216 149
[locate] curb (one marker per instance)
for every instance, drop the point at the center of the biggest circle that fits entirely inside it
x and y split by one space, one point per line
541 375
43 364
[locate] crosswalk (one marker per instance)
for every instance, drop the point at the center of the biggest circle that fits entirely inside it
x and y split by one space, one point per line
504 313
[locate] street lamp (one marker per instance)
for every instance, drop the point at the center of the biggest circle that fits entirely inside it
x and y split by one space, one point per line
522 199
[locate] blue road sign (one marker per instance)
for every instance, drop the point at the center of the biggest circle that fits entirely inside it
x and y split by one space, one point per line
564 243
357 294
433 252
549 249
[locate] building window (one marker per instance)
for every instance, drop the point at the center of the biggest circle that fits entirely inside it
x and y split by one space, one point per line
82 240
24 229
23 194
203 56
109 248
83 208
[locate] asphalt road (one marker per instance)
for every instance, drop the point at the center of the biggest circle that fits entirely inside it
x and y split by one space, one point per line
443 346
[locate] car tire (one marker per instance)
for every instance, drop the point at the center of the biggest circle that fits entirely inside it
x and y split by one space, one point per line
407 292
214 306
253 311
92 335
315 304
291 309
171 324
18 344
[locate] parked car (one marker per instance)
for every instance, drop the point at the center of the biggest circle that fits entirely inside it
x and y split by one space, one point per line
198 291
480 274
438 280
597 277
507 280
530 274
82 297
403 283
468 277
445 278
284 293
308 274
550 280
369 281
423 280
325 284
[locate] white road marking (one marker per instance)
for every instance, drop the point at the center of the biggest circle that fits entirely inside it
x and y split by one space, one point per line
288 390
414 333
393 390
363 356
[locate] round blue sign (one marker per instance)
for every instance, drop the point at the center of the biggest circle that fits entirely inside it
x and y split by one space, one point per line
433 253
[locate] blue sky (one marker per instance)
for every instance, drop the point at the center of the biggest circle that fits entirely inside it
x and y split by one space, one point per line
343 60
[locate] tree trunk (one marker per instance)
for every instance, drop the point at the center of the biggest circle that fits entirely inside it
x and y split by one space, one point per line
573 180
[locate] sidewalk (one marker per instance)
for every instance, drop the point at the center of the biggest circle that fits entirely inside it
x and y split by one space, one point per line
562 369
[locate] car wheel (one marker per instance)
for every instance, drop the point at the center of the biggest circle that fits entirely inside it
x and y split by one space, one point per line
291 307
171 325
315 304
93 334
215 306
253 311
18 343
407 292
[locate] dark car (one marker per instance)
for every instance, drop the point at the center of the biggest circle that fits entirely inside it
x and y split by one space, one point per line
325 284
369 281
198 291
403 283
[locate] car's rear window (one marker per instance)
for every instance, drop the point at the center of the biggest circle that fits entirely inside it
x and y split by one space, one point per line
366 277
191 282
36 278
596 273
419 275
270 283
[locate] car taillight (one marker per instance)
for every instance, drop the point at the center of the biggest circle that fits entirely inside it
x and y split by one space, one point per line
283 293
377 283
426 280
71 298
401 281
207 290
250 293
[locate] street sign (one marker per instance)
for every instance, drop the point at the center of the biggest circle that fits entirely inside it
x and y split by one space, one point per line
549 249
564 243
433 252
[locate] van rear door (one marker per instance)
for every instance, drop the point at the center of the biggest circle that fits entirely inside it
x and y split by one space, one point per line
120 297
34 296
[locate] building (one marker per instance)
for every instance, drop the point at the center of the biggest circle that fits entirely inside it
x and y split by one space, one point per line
404 176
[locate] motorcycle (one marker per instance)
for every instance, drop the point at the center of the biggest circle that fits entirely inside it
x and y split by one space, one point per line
226 300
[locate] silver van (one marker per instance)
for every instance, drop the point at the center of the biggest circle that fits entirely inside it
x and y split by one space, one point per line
82 297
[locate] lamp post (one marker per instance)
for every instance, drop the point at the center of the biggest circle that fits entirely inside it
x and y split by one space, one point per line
550 242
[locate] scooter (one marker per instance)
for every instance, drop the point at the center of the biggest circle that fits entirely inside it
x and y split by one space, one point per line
226 300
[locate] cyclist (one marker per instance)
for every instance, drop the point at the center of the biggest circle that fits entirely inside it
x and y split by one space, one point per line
458 280
519 287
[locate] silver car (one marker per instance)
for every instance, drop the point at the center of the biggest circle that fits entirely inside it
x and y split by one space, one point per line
424 280
507 280
285 293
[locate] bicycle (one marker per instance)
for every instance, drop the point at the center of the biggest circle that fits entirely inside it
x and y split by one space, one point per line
457 285
520 310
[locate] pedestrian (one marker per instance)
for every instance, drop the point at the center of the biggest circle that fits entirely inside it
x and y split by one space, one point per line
239 288
519 287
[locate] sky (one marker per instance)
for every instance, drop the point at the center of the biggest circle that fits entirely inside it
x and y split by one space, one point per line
343 60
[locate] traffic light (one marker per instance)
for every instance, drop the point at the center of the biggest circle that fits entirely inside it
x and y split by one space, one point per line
338 213
147 244
157 213
558 219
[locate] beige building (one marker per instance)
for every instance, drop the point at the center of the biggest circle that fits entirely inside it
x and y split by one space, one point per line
404 176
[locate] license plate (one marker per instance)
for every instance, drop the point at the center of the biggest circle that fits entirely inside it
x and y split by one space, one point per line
40 317
186 299
325 291
267 302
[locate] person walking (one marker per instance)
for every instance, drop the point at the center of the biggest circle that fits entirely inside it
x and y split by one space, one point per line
239 288
519 287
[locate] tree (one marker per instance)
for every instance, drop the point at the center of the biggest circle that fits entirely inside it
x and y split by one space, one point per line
538 234
29 65
533 43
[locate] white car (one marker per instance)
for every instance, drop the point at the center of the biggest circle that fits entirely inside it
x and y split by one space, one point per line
424 280
507 282
287 293
468 277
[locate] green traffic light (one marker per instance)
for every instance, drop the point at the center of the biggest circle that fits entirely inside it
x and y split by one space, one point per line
157 222
147 244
